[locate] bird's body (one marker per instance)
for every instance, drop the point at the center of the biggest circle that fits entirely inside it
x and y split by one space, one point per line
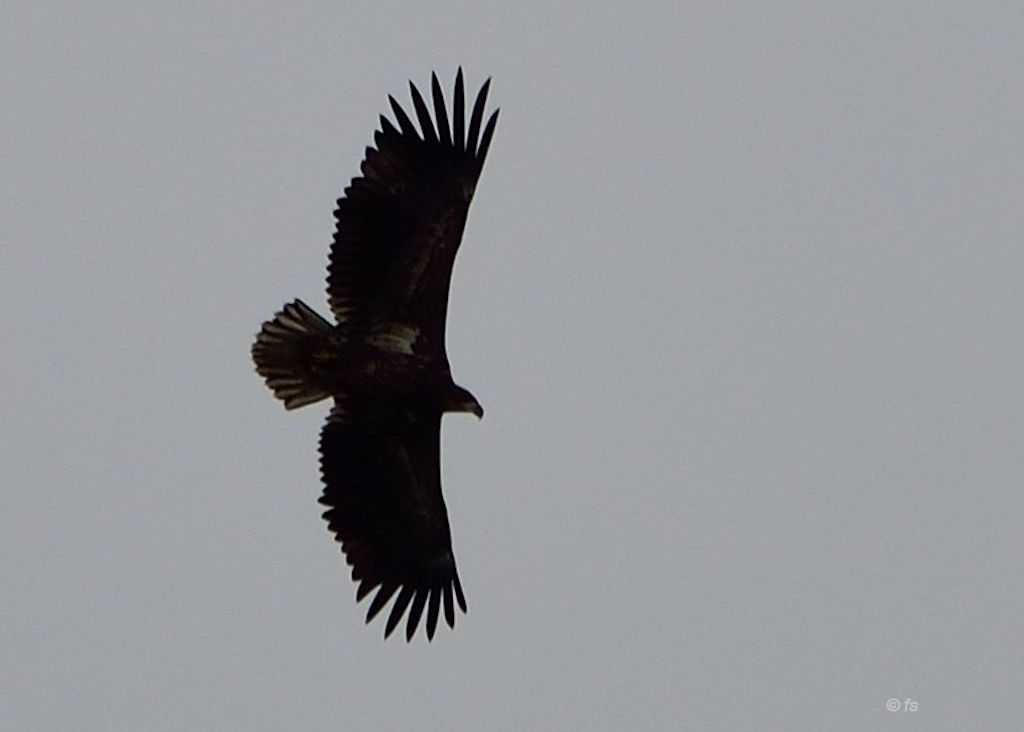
383 363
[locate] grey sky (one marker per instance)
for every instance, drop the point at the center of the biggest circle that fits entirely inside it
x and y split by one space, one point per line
741 292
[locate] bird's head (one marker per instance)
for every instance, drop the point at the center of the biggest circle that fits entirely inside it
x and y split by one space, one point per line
460 400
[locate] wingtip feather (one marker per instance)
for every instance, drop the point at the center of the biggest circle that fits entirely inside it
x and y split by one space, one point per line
433 611
380 600
415 612
459 113
422 115
443 131
476 117
485 140
398 609
458 593
404 123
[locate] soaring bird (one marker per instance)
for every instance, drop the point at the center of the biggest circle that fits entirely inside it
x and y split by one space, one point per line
383 362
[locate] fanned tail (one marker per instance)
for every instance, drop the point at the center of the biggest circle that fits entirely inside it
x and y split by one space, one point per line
283 353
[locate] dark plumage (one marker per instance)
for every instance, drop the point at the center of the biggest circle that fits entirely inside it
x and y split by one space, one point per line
384 362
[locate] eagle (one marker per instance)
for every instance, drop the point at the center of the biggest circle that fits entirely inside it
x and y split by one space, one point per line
383 361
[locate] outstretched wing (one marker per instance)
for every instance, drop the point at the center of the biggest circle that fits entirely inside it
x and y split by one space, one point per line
401 221
382 484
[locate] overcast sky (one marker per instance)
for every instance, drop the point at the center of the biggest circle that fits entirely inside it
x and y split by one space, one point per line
742 292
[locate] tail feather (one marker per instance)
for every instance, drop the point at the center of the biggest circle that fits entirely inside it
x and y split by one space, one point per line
283 353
